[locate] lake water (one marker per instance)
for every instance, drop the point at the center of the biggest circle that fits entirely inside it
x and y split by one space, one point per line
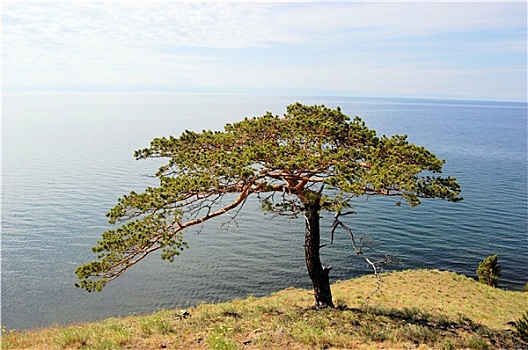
66 158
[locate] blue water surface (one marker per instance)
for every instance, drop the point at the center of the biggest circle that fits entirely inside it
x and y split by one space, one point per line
66 158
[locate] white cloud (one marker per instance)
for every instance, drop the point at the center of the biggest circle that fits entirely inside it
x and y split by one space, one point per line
342 47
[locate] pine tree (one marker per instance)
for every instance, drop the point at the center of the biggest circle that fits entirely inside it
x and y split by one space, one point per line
489 271
313 159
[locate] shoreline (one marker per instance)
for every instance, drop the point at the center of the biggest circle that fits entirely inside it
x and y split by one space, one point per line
430 295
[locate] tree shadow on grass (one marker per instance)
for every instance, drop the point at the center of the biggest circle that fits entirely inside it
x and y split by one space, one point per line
377 323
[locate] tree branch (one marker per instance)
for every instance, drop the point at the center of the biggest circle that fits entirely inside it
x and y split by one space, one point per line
359 248
137 254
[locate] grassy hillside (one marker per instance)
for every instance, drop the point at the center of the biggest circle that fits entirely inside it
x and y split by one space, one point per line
416 309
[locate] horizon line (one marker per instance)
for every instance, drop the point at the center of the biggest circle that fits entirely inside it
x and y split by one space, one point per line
219 93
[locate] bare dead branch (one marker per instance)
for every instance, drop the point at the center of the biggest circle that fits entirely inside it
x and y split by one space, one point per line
358 248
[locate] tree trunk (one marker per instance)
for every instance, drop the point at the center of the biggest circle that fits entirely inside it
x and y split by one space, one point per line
318 273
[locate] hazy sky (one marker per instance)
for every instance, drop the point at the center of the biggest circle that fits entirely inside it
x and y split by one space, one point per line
474 50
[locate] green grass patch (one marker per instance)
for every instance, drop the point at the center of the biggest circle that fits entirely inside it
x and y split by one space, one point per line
418 309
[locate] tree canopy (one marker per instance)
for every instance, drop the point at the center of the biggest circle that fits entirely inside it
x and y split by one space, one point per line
311 159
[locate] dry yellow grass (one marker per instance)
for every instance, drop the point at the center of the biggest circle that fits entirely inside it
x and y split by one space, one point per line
419 309
440 292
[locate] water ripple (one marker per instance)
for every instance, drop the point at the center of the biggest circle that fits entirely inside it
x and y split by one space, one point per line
65 165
